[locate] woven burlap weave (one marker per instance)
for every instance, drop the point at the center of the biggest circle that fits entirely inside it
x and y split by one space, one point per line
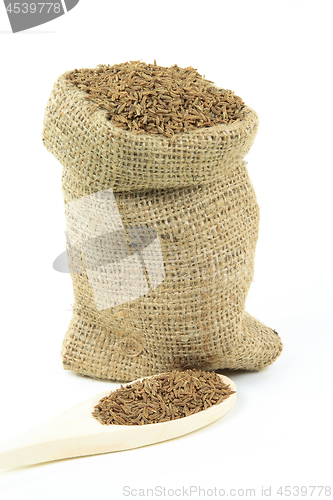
194 190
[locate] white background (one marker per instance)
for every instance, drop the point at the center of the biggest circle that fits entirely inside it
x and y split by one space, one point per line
277 56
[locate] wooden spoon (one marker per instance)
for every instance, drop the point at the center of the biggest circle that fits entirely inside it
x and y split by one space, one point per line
75 433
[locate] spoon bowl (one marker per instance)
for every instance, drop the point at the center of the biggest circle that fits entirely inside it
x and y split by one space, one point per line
76 433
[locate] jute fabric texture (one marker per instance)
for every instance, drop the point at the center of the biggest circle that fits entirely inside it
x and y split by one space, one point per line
195 191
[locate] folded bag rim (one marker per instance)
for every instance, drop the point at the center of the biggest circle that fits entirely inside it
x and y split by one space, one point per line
83 138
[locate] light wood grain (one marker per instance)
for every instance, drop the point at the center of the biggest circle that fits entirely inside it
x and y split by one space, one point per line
76 433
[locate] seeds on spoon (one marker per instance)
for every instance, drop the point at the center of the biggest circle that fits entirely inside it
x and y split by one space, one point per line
162 398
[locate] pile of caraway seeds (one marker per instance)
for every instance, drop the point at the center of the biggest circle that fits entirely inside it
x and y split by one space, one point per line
162 398
152 99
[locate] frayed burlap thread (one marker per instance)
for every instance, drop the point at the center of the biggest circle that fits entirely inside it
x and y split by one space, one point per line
194 190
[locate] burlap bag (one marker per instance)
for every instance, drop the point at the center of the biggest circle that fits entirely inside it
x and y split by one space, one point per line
195 192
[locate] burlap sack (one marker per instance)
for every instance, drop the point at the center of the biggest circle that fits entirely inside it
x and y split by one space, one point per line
194 190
